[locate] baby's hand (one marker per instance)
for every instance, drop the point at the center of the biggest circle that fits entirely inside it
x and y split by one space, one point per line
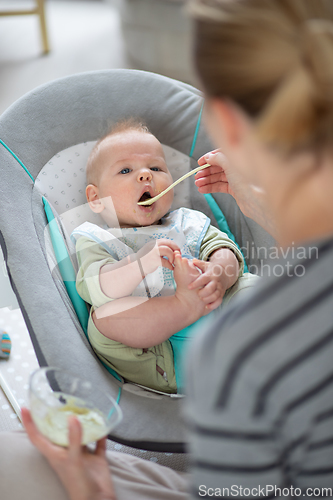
185 273
211 284
152 253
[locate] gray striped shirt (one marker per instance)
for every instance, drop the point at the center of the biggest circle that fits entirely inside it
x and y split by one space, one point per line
260 388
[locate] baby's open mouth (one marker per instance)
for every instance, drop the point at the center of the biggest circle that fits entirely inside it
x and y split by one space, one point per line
146 196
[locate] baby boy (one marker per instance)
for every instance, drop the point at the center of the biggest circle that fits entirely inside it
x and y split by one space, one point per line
148 273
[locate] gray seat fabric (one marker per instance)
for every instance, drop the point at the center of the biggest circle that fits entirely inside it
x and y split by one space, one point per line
47 120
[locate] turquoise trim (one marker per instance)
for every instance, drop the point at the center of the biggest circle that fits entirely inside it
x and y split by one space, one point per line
118 397
201 237
68 275
222 222
65 266
196 132
217 212
117 401
91 237
18 160
180 345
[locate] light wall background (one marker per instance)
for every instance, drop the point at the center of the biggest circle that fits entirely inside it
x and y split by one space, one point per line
87 35
84 35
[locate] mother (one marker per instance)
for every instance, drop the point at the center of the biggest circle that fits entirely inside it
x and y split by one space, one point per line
263 412
260 385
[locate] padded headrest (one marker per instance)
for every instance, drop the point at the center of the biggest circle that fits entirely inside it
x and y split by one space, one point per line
83 107
63 180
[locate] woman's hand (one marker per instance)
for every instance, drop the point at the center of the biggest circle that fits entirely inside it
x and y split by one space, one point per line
213 179
222 178
85 475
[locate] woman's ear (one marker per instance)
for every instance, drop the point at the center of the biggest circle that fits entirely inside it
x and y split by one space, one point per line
93 199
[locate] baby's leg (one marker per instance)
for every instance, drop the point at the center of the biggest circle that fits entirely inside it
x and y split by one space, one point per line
184 273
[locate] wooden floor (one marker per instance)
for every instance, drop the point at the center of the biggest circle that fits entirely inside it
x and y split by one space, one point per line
83 36
17 368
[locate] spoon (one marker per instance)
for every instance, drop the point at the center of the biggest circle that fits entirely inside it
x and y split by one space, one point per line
150 201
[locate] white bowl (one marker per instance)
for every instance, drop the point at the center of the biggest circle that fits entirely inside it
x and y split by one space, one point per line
56 394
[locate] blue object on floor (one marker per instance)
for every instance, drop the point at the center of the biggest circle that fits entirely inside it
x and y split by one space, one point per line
5 344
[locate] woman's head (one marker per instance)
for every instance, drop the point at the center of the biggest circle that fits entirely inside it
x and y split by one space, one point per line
274 58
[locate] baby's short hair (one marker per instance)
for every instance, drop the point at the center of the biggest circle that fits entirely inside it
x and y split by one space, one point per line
124 125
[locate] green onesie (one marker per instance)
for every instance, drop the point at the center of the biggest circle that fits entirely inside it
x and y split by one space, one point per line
152 367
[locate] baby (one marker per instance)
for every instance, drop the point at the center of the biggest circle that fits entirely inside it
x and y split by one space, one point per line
148 273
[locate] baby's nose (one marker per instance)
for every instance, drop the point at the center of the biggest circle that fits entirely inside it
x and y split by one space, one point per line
144 175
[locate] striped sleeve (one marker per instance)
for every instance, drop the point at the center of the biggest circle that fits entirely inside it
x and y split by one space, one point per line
260 388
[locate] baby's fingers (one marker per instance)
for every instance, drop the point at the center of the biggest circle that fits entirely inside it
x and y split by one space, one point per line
167 252
214 305
166 263
167 243
211 299
200 282
207 291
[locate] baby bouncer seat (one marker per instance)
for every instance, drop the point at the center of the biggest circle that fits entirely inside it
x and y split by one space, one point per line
45 139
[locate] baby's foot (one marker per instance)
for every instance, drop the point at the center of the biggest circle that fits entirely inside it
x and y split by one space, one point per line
184 273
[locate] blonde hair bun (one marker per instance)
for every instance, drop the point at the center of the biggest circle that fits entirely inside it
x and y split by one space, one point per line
274 59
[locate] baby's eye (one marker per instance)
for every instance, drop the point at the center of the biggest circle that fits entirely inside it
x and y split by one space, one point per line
125 170
155 169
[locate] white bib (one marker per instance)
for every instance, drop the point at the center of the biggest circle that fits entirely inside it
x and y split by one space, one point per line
184 226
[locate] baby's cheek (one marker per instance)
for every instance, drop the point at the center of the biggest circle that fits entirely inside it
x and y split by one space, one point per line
121 205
